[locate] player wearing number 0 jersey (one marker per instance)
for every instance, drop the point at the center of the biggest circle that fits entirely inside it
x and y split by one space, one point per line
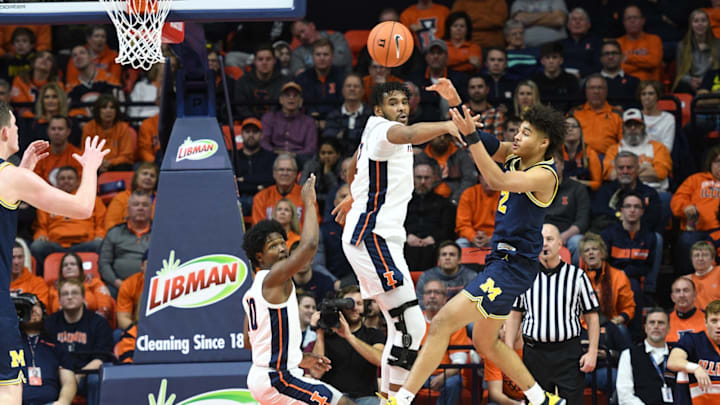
272 324
381 185
528 183
22 184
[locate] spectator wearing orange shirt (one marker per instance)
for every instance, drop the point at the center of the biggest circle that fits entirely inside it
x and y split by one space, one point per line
488 18
129 295
475 219
148 143
457 170
145 179
97 295
427 20
42 35
685 317
22 280
286 214
89 84
125 244
284 173
643 52
118 135
695 203
26 85
601 123
714 14
61 151
100 54
54 233
447 381
707 275
463 55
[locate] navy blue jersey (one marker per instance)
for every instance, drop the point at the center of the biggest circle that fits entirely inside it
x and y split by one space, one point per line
8 228
520 216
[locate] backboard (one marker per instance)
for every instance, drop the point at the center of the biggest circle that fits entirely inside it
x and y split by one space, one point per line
83 12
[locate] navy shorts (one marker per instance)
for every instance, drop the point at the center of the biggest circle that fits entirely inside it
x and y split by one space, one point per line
506 276
12 356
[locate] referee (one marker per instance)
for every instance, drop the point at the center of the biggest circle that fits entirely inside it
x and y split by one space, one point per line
551 327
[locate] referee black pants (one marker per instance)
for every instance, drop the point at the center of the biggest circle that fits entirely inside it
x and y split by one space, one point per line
557 365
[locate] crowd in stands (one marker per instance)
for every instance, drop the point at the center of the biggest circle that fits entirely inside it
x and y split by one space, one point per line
638 203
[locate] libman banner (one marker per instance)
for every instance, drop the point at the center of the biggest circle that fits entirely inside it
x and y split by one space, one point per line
176 384
197 272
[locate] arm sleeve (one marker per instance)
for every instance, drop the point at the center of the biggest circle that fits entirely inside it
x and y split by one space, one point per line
463 220
379 147
106 260
582 213
588 299
625 382
662 162
145 144
115 213
625 297
99 218
595 168
681 199
125 298
609 161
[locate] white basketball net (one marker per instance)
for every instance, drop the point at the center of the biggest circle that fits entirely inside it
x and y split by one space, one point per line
139 26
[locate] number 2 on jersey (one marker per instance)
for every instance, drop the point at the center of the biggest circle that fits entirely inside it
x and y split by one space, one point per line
252 315
504 195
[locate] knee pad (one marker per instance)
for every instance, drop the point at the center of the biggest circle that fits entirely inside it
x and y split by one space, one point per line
410 325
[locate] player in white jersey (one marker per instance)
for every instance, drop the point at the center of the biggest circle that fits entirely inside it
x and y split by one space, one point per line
381 185
272 325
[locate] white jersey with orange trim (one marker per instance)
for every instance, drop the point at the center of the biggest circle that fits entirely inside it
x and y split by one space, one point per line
382 186
273 329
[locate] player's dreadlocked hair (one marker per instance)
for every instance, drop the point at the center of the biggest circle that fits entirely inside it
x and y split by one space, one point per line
380 91
254 241
548 121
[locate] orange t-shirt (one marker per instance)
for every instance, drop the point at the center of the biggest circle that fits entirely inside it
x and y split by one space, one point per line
458 57
43 37
442 189
67 231
148 141
129 293
707 287
658 156
601 129
119 139
431 19
30 283
714 14
104 61
97 298
458 338
678 326
476 212
265 200
700 190
643 56
24 91
46 167
117 209
493 373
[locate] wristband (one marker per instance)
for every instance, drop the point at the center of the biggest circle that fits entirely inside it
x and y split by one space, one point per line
490 142
472 138
691 367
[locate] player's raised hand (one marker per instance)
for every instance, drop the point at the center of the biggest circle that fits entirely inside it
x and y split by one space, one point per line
308 190
446 90
93 154
34 153
466 124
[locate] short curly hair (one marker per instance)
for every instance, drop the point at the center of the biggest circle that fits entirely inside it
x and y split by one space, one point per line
255 238
380 91
548 121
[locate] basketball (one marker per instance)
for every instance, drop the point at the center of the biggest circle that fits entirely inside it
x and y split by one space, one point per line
390 44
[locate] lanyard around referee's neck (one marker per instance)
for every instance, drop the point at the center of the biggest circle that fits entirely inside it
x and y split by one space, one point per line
661 372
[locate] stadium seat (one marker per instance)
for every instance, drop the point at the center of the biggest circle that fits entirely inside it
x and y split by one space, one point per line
111 177
474 255
227 137
685 101
52 265
356 39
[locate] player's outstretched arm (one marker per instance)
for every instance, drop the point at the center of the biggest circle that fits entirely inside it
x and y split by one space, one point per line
536 179
34 153
21 184
421 132
283 270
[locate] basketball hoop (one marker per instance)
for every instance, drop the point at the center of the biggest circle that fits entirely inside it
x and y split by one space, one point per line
139 25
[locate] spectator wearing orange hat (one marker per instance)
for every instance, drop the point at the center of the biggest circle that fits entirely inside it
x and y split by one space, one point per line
252 164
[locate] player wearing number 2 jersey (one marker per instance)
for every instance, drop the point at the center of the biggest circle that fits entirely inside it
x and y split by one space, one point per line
528 183
272 325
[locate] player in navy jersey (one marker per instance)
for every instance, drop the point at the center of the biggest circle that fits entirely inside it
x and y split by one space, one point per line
22 184
528 184
272 323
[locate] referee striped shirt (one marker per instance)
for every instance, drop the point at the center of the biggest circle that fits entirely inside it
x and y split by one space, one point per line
554 303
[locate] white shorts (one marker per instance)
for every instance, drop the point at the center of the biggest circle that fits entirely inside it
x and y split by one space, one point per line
286 387
379 265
